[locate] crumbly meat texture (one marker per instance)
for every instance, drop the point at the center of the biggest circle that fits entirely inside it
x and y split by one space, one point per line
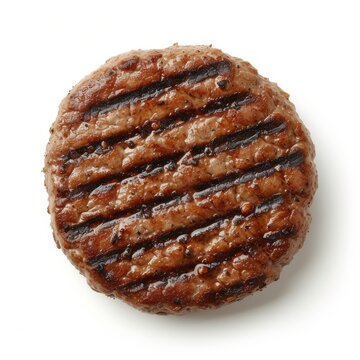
179 179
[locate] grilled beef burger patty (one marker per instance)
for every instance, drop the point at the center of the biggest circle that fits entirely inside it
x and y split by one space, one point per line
179 179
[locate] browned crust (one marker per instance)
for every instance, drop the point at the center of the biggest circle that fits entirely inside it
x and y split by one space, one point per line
82 120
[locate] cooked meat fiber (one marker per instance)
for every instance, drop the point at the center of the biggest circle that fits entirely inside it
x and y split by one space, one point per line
179 179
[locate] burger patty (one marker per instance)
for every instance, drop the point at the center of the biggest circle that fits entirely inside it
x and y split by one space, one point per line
179 179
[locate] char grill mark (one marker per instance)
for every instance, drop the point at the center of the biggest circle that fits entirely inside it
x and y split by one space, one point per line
107 183
102 146
144 209
224 143
239 138
188 232
264 169
155 89
184 272
246 287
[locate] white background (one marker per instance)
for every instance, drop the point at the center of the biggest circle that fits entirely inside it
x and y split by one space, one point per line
310 49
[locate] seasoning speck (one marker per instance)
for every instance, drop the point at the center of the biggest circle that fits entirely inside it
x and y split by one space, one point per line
130 144
188 252
222 84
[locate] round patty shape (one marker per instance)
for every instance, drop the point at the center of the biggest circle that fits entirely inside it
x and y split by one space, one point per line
179 179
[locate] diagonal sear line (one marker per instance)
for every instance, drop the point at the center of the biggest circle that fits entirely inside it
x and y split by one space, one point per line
190 232
264 169
224 143
183 272
105 145
152 90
